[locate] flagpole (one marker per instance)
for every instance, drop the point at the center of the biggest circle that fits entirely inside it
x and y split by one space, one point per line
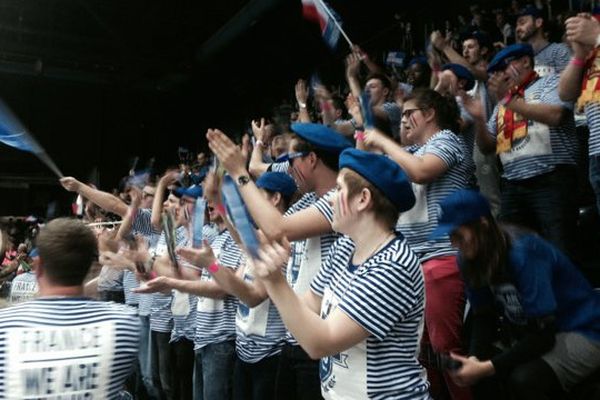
336 23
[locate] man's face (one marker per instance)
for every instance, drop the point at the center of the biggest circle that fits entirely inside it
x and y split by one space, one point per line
471 51
147 196
527 27
377 90
415 74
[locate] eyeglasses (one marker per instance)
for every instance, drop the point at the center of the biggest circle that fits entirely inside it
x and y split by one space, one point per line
408 113
146 194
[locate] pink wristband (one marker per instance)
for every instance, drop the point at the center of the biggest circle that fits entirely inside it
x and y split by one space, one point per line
578 62
212 268
359 136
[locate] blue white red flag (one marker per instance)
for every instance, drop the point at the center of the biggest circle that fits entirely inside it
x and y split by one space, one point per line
318 12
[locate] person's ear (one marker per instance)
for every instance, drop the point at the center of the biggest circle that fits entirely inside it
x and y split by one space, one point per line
365 198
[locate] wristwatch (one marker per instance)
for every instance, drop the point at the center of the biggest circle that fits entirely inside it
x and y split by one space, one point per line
243 180
302 105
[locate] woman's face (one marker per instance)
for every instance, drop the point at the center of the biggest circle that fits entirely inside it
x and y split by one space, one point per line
465 241
343 215
413 122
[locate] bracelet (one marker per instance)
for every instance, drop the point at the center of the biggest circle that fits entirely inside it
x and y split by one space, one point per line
578 62
359 136
214 267
302 105
260 143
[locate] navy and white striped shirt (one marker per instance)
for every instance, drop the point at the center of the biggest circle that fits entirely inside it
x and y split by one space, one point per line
59 348
552 59
592 113
308 255
544 147
142 225
130 282
161 318
260 330
215 318
418 223
385 295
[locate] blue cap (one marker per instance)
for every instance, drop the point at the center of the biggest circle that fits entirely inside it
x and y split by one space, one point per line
418 60
508 54
193 191
321 137
459 208
277 182
461 72
530 10
34 252
383 173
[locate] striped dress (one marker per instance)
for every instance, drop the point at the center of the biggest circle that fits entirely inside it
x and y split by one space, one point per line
66 348
385 295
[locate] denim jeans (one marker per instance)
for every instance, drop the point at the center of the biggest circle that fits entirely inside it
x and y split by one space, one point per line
255 381
546 204
595 178
145 357
297 375
213 374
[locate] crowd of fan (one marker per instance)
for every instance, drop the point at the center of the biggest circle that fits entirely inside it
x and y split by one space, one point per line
380 216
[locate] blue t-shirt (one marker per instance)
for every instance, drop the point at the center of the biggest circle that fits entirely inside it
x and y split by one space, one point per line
544 147
385 295
542 282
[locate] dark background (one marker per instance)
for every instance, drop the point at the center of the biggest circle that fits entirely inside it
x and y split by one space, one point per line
101 81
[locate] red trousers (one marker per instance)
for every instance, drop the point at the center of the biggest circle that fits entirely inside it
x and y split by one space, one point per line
444 310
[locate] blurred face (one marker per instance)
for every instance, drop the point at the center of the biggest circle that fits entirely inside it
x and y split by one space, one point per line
172 205
413 122
471 51
213 215
187 205
343 214
527 26
147 196
301 168
377 90
415 74
279 145
465 241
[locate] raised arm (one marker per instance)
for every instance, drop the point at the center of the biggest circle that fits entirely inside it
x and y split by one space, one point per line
304 224
102 199
159 197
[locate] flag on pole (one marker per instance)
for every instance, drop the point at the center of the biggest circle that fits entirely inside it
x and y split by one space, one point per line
330 23
14 134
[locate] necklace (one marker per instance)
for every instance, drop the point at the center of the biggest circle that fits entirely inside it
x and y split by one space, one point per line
329 304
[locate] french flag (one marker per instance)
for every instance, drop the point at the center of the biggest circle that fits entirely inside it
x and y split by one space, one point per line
318 12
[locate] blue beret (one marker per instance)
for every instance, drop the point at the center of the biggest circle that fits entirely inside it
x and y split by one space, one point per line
178 191
321 136
383 173
419 60
277 182
508 54
193 191
459 208
530 10
461 73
